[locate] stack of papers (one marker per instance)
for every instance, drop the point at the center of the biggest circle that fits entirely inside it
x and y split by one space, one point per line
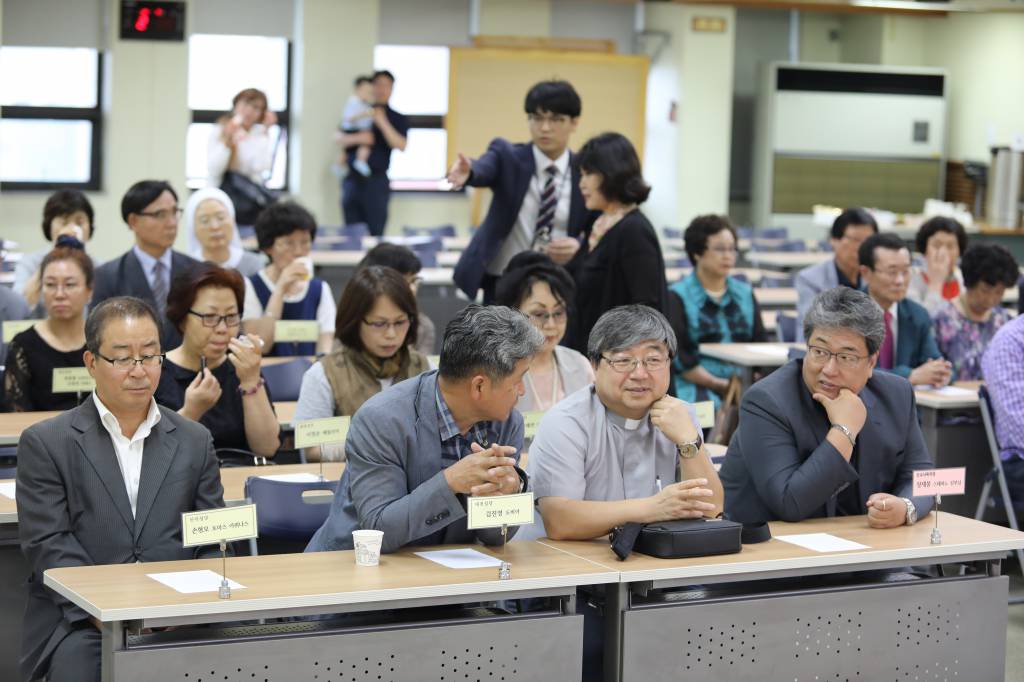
301 477
7 489
460 558
776 350
821 542
191 582
951 391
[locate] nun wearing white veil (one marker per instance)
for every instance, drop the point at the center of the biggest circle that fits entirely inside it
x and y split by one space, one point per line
212 235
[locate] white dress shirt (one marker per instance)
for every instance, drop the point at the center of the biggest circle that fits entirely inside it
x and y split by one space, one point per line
129 452
521 237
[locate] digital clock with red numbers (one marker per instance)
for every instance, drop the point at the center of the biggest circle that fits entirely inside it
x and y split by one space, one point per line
141 20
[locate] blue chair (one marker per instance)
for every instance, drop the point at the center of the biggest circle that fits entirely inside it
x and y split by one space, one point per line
440 231
246 231
785 327
672 233
745 232
681 262
282 513
284 379
773 281
740 277
346 243
825 245
995 474
8 472
793 246
350 230
773 233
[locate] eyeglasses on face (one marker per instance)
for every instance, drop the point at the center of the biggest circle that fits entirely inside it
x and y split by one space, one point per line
652 363
539 319
127 364
163 213
820 356
213 319
382 325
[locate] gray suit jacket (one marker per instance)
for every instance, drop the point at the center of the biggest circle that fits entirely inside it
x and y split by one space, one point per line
73 508
810 282
780 467
394 480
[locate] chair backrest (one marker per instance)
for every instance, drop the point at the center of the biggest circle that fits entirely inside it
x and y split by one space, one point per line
744 232
785 326
769 281
281 510
439 231
773 233
284 379
793 246
345 243
796 353
672 233
988 418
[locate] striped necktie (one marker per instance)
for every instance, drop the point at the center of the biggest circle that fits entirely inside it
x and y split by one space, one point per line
546 212
160 288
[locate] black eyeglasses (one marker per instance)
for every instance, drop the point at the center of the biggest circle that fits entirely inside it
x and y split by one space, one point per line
213 319
652 363
128 364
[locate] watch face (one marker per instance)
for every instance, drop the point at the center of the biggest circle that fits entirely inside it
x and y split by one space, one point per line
689 450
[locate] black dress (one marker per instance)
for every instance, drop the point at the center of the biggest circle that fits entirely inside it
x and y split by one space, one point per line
626 266
226 419
28 377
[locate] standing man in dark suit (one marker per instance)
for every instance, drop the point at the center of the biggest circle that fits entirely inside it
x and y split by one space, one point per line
105 483
537 202
364 199
150 208
826 435
909 348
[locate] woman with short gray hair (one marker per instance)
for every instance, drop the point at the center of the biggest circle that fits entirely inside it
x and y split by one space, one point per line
806 447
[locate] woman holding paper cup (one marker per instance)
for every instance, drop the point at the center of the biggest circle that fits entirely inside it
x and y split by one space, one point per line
55 342
533 284
214 377
376 325
286 289
67 213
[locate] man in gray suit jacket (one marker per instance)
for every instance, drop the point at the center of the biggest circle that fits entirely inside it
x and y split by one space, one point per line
826 435
105 483
417 449
852 227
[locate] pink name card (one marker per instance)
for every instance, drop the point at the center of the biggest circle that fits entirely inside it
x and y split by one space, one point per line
939 481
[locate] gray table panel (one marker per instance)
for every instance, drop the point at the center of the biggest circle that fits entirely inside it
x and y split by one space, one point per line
13 573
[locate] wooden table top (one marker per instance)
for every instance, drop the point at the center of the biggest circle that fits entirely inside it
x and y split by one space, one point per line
787 259
285 411
936 400
13 423
328 579
233 478
960 536
8 508
744 355
350 259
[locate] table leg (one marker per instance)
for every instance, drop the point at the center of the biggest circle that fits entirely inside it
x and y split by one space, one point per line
113 641
616 596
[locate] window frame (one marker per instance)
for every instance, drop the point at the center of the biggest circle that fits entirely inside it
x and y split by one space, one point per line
92 115
283 117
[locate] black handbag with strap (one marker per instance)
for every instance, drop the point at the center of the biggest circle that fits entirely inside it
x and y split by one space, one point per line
678 539
248 197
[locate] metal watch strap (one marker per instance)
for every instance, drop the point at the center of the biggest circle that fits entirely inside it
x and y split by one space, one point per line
911 511
846 432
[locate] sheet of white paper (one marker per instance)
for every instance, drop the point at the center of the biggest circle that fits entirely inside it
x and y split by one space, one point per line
952 391
460 558
7 489
821 542
774 350
191 582
301 477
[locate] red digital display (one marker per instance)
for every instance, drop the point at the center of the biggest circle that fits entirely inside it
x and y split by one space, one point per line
141 20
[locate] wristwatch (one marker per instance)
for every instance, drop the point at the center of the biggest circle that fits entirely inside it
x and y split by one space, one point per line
846 432
689 449
911 511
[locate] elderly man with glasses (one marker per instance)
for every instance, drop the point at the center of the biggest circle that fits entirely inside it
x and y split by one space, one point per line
106 483
827 435
622 451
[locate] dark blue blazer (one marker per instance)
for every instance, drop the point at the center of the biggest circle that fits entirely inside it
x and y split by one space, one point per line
123 276
780 467
507 169
915 338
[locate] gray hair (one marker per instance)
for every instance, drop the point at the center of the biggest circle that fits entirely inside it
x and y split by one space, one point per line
626 326
850 309
488 339
117 308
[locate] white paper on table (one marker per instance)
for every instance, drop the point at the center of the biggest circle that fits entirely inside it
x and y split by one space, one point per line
951 391
773 349
821 542
301 477
460 558
7 489
191 582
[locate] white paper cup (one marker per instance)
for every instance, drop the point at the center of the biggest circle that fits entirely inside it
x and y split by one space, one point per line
367 544
308 262
300 293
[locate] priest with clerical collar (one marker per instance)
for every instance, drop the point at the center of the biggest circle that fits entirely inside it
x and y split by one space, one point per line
621 450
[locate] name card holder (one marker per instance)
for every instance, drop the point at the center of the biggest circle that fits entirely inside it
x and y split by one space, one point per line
75 380
219 526
705 414
300 331
939 482
313 432
531 420
12 328
500 511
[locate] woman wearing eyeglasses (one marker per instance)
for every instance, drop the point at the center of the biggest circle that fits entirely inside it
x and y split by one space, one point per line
66 278
212 234
376 325
214 377
536 286
709 306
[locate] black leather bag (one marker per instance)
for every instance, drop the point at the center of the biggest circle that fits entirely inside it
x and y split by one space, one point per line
679 539
248 197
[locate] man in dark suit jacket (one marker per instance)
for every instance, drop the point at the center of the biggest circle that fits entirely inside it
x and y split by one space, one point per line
150 208
105 483
913 353
826 435
536 201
